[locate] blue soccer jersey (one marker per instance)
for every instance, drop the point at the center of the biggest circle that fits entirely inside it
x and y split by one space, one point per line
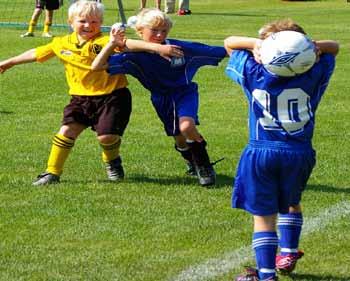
276 164
161 76
280 109
174 94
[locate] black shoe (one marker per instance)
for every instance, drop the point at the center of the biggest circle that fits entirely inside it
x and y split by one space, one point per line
191 169
46 178
115 171
206 175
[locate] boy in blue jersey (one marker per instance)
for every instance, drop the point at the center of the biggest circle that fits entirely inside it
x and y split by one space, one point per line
277 162
173 94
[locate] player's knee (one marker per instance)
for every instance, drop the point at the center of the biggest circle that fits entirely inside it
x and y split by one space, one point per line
187 126
108 138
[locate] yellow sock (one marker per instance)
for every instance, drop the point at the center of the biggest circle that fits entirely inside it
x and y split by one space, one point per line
61 146
32 25
110 150
47 26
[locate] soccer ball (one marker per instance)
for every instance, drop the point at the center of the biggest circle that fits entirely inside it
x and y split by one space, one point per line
132 21
287 53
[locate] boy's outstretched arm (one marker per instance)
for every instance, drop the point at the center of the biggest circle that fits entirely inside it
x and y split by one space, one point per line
166 51
26 57
240 42
117 39
100 62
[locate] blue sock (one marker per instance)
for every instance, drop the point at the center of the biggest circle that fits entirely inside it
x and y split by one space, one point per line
289 226
265 246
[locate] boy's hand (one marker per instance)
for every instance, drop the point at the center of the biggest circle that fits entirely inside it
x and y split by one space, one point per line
168 51
5 65
117 35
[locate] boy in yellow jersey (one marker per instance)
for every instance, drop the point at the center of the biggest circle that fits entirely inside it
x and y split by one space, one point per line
99 100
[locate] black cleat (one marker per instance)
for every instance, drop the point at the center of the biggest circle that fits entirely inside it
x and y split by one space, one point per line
206 175
115 171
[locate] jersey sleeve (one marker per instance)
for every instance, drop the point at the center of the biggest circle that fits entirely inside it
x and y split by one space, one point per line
117 64
45 52
235 66
195 49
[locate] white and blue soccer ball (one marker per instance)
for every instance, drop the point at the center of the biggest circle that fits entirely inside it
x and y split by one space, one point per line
287 53
132 21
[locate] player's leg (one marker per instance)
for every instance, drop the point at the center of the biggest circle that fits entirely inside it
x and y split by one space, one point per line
186 106
110 155
143 4
62 144
290 226
185 151
48 23
113 116
196 142
34 20
50 6
169 7
184 8
295 172
256 191
265 243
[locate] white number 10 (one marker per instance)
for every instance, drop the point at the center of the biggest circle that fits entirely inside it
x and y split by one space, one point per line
292 109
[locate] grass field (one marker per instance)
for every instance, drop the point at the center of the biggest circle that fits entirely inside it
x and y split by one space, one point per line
159 225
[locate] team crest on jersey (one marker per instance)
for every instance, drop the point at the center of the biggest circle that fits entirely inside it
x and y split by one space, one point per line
176 62
284 59
66 52
96 49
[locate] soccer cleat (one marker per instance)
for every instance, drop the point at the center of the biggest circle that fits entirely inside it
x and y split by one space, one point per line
206 175
115 171
251 274
27 34
183 12
286 264
46 35
191 170
46 178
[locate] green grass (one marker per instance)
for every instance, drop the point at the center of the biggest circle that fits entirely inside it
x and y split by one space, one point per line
158 222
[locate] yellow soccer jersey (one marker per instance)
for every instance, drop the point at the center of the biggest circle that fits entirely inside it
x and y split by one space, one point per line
77 60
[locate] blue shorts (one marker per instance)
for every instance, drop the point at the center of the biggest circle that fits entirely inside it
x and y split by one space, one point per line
271 177
182 103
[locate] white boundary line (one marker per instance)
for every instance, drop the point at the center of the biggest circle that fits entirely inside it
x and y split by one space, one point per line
218 266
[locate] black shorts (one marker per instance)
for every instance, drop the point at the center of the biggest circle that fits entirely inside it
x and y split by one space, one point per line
47 4
107 114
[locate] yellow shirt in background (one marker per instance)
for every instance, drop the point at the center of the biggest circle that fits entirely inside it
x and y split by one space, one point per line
77 62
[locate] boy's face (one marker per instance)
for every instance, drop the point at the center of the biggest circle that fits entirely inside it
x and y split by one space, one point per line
156 34
86 27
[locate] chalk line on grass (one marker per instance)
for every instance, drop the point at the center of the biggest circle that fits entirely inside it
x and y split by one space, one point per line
219 266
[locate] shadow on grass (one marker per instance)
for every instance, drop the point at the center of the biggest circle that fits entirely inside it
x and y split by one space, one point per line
311 277
221 180
328 189
6 112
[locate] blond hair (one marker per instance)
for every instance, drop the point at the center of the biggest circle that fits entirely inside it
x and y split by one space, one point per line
152 18
279 25
85 8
